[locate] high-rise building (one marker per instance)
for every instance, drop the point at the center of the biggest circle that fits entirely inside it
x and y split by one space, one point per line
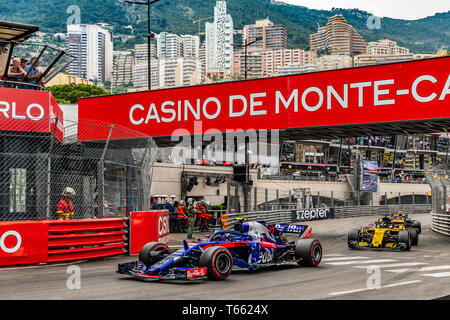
219 40
254 65
179 72
202 57
140 74
385 46
93 48
123 71
273 37
373 59
338 37
296 69
169 46
274 59
191 45
333 62
141 52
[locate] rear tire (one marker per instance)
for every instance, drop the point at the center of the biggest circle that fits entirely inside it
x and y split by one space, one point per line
352 238
308 252
416 224
153 252
218 261
404 240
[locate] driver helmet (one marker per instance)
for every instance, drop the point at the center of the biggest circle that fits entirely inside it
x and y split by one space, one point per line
190 201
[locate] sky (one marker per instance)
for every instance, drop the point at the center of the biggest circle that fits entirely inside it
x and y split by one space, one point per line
399 9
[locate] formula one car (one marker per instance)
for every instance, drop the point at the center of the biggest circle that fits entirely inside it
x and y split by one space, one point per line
403 219
251 245
385 233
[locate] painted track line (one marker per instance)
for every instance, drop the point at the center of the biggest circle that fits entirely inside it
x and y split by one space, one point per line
345 263
423 269
344 258
394 265
339 293
437 275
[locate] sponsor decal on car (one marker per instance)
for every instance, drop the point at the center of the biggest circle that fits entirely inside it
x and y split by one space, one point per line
196 273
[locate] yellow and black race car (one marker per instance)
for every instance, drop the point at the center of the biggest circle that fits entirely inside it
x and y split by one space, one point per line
403 219
384 233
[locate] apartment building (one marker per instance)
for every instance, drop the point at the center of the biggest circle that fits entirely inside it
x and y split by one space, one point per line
338 37
273 36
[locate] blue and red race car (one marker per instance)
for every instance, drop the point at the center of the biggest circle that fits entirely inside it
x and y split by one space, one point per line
252 245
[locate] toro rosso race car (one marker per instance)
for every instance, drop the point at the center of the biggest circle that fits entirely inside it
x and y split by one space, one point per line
387 232
250 245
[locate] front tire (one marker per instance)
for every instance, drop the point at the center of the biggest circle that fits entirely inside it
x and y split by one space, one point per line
404 240
153 252
353 238
308 252
218 261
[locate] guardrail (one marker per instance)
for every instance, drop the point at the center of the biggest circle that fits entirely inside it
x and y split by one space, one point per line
440 223
286 216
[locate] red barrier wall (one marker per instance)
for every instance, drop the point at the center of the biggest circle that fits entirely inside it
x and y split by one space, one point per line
148 227
32 242
23 242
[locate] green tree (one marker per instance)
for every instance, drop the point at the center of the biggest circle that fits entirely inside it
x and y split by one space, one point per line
70 93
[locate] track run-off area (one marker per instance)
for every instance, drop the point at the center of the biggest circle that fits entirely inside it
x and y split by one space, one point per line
344 274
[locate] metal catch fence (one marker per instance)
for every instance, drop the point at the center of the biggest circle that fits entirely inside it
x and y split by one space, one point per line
110 177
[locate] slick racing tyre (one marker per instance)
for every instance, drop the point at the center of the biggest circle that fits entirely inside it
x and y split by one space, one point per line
353 238
404 240
153 252
414 233
416 224
218 261
308 252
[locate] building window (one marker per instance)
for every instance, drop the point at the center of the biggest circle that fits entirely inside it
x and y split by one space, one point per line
17 189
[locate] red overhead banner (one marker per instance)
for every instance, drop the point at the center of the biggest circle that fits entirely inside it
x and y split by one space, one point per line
30 111
407 91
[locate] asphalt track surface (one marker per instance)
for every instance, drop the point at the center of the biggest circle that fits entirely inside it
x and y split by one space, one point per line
344 274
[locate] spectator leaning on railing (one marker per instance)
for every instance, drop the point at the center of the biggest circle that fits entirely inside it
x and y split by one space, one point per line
33 75
15 73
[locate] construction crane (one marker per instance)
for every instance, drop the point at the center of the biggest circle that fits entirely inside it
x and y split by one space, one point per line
199 25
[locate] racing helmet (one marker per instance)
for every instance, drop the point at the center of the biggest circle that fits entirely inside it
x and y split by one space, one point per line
182 202
68 192
190 201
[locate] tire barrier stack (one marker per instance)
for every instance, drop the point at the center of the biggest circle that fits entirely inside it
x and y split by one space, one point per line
440 223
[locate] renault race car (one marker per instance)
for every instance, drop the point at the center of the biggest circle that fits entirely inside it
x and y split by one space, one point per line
403 219
251 245
384 233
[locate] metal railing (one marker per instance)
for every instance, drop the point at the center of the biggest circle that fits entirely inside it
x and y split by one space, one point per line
286 216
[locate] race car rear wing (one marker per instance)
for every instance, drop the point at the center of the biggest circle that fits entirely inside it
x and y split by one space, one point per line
302 230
